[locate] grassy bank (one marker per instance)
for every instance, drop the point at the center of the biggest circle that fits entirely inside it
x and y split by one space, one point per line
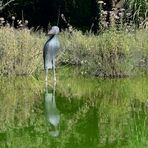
111 54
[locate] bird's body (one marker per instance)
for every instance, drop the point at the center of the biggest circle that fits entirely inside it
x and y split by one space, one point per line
50 50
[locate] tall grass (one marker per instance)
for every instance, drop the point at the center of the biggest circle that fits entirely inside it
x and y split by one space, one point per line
138 10
111 54
20 51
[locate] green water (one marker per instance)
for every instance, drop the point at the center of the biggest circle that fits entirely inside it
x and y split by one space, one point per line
74 113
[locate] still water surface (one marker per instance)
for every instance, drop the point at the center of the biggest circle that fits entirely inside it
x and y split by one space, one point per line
74 113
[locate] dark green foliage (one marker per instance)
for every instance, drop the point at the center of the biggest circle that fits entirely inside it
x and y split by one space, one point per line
83 14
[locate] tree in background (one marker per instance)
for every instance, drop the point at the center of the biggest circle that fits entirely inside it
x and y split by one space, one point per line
83 14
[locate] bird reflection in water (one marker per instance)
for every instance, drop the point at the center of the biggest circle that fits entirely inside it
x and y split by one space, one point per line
52 113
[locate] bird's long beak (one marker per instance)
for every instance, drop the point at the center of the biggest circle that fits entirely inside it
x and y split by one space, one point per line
51 32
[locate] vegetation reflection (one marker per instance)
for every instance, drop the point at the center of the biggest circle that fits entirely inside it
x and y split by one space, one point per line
109 113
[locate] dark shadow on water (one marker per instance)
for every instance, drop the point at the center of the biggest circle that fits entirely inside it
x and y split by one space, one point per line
51 111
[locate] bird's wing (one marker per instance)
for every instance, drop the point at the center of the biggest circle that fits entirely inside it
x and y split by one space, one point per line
44 49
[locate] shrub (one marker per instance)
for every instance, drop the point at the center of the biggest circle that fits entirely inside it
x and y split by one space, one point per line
113 53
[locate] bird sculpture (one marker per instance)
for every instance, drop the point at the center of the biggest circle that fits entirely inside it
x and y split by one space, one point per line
50 50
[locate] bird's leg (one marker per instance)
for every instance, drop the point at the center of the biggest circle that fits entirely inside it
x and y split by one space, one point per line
46 77
54 88
46 87
54 74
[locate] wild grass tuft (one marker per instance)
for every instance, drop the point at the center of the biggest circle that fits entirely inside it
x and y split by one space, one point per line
138 10
110 54
20 51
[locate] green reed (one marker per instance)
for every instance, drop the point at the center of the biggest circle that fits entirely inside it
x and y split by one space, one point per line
138 10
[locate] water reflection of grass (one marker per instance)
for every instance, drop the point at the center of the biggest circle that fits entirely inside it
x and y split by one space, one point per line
107 113
18 97
113 89
115 102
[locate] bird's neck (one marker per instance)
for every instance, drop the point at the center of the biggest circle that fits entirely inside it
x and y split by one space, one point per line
51 37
